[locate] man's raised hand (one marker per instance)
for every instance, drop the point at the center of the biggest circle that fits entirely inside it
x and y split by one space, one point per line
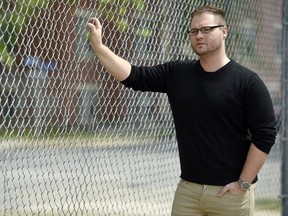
95 29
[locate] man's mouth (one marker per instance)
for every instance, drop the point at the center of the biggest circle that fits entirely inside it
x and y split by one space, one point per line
200 43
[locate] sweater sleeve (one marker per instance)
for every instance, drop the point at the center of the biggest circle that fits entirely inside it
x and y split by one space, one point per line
260 114
145 78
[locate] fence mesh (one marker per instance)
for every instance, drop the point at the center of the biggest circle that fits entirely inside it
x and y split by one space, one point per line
73 140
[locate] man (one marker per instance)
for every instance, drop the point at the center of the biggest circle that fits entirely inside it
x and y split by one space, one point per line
223 117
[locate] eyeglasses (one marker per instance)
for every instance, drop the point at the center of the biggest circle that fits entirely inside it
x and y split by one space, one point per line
204 30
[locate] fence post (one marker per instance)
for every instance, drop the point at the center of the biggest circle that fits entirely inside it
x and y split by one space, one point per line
285 111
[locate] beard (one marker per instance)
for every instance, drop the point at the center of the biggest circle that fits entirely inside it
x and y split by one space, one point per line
205 48
201 51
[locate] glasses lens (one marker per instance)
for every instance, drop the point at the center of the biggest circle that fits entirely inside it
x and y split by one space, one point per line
194 31
206 30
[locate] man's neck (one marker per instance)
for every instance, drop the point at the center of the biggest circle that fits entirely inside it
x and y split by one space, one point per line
213 63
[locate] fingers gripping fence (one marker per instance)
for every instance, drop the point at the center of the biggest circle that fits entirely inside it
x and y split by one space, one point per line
73 140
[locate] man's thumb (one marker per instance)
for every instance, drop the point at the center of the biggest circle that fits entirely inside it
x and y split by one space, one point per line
91 27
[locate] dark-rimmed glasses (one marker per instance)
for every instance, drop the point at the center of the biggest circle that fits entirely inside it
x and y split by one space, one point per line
204 30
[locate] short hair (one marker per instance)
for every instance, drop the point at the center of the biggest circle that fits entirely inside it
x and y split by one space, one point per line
208 9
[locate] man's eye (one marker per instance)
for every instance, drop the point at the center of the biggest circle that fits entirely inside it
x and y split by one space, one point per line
205 30
194 31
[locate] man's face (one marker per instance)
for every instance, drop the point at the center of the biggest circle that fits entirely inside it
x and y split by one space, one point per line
205 44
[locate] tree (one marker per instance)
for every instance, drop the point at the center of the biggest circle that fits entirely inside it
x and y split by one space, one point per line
14 16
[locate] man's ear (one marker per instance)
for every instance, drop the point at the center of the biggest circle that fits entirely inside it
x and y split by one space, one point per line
225 32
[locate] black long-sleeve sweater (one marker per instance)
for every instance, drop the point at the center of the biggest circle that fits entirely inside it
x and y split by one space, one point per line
217 115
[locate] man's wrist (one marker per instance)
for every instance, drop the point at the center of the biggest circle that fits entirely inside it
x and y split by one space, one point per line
244 185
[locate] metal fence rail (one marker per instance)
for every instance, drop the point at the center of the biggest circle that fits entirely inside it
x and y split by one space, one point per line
74 141
284 167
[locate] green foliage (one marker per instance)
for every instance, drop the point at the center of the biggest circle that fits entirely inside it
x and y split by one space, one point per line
116 12
144 32
5 57
30 8
14 16
134 4
72 2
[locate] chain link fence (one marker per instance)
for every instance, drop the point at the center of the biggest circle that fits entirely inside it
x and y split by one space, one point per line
74 141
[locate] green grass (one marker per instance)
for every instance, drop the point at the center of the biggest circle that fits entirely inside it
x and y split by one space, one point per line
268 204
75 137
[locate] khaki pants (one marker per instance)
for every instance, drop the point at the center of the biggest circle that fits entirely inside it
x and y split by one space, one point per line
201 200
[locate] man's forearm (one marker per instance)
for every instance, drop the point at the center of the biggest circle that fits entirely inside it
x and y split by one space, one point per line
254 162
118 67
